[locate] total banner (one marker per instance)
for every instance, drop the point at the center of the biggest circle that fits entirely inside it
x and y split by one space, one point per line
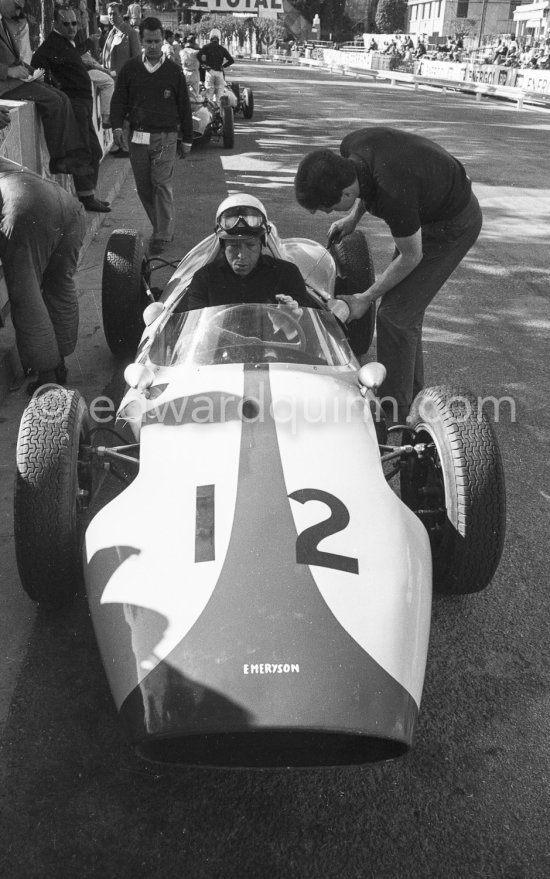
264 8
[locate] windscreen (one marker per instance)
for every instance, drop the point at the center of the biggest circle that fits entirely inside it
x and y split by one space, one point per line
250 334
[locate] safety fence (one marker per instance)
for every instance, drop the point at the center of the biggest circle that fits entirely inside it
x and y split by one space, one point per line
521 85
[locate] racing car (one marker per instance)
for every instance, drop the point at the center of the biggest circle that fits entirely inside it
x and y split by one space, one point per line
244 99
212 120
261 584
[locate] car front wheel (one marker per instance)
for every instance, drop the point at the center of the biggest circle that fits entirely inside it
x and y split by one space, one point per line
123 292
455 485
356 270
52 492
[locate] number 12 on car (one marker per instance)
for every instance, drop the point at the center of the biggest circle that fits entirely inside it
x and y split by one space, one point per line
307 543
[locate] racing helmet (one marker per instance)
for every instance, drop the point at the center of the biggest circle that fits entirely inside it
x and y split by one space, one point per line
215 34
241 216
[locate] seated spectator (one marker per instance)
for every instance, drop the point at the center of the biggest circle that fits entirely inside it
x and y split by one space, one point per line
500 53
63 64
63 139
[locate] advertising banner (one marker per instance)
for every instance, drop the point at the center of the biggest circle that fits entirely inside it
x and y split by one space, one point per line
265 8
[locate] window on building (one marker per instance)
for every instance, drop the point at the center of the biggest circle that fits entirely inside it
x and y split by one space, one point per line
439 9
462 9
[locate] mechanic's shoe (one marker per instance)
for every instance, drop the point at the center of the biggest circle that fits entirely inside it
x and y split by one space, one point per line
56 376
120 154
91 203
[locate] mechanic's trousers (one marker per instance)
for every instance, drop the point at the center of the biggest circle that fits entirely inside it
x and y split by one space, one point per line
153 167
214 82
401 310
41 233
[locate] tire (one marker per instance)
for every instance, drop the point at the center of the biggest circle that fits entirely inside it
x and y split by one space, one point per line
49 503
228 127
457 489
354 262
248 103
123 294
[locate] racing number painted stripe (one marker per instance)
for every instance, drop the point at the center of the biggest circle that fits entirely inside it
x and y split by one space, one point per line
204 524
307 542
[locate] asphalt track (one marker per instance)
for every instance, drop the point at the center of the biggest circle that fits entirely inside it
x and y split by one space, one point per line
472 798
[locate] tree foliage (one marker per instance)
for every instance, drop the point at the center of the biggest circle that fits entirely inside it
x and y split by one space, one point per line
333 17
391 15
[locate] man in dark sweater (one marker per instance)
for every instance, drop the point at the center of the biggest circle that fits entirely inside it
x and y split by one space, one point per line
64 67
152 92
425 196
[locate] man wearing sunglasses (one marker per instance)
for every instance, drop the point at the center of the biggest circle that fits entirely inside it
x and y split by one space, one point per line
64 67
242 273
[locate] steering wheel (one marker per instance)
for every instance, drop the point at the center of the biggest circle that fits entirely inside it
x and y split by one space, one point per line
254 340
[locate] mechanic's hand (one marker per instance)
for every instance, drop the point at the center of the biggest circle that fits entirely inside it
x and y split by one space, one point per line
339 229
283 299
17 71
183 149
118 138
356 305
339 309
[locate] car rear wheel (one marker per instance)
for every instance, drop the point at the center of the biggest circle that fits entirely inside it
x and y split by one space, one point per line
52 492
455 485
228 127
123 293
248 103
355 266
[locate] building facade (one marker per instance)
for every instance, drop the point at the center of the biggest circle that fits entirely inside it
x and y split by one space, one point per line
481 19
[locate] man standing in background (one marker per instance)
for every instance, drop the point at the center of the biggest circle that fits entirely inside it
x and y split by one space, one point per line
121 44
152 92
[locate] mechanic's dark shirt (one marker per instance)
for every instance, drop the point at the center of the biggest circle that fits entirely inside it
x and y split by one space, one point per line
405 179
64 67
213 55
217 284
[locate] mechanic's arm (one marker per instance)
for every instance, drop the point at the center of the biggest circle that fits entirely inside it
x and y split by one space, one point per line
409 256
228 60
347 224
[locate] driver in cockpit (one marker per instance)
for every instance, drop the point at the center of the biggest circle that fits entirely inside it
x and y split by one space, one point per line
242 272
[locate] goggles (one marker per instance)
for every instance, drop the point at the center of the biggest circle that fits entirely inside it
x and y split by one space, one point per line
248 217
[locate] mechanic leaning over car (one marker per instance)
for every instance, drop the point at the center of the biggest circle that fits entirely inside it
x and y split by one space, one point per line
214 59
41 232
153 93
425 196
242 273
